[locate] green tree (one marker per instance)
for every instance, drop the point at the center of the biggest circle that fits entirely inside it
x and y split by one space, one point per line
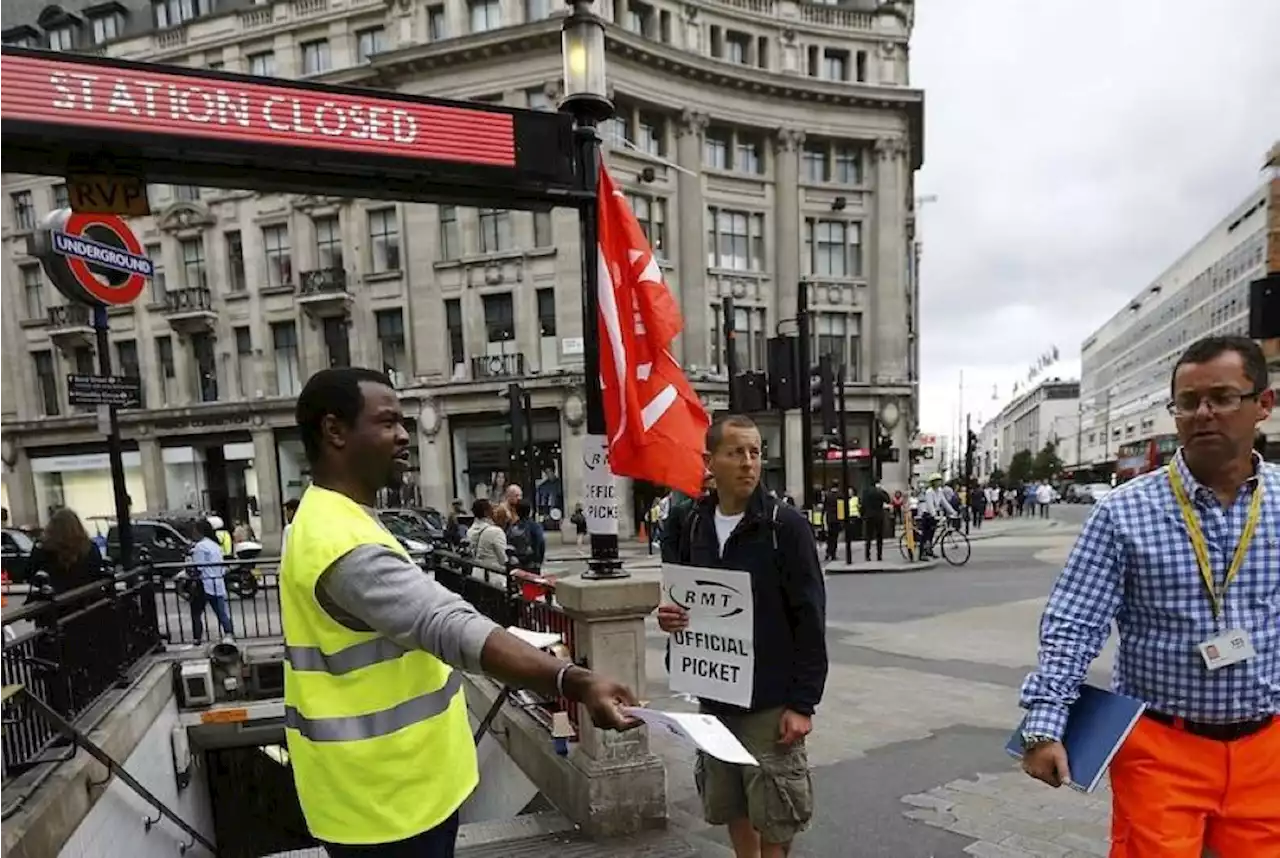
996 477
1020 467
1047 464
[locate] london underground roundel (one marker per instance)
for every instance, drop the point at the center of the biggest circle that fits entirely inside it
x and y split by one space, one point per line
93 258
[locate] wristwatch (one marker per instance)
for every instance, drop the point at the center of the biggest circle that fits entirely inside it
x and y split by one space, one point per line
1031 740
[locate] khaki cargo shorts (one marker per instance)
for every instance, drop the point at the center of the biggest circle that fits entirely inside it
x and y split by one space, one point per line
777 796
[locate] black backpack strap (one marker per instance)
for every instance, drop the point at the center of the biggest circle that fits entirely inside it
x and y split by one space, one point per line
685 545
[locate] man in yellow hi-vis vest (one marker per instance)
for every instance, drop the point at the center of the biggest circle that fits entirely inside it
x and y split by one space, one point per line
375 716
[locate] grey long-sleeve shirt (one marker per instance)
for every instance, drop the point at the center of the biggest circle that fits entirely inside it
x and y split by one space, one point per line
373 588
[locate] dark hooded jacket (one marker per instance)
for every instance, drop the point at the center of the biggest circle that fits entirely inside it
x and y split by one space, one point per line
774 545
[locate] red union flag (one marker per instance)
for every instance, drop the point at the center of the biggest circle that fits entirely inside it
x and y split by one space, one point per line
656 423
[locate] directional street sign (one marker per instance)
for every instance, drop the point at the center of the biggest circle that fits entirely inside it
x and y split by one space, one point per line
118 390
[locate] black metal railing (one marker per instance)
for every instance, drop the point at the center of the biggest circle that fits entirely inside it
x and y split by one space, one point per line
509 597
323 281
497 366
193 299
69 316
71 649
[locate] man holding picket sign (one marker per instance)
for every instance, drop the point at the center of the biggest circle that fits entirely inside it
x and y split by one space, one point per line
739 528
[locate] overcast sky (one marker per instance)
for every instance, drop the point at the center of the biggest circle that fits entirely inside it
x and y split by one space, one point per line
1076 150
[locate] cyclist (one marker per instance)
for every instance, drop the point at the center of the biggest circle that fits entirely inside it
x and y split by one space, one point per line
932 504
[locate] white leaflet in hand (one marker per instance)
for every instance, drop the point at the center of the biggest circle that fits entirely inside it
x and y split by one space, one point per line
538 640
704 731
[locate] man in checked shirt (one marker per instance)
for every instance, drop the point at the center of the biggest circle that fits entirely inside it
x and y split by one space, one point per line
1186 561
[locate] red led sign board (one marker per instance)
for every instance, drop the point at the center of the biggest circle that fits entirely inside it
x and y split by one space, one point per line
83 95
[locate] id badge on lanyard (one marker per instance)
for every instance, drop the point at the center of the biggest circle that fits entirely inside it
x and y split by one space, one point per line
1231 646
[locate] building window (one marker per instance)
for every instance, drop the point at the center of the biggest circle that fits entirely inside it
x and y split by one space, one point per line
61 197
235 262
746 155
833 248
369 42
536 10
651 213
391 342
186 193
62 38
24 210
814 159
542 236
639 18
168 370
495 230
33 291
750 338
328 243
337 344
129 366
735 240
848 162
485 15
837 335
159 283
315 56
715 149
835 64
263 64
107 27
453 327
384 240
284 347
171 13
538 99
547 312
737 47
450 241
499 318
722 149
204 367
651 135
244 361
47 382
193 263
436 26
275 243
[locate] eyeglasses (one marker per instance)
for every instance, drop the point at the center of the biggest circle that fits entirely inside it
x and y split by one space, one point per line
1222 401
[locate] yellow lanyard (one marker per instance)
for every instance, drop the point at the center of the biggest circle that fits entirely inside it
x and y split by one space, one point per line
1216 593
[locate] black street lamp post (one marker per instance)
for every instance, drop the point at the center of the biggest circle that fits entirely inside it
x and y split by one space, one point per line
586 99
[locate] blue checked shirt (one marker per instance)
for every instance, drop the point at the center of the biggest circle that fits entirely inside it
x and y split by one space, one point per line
1134 564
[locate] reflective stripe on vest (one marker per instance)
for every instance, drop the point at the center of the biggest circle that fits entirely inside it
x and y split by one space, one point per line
355 727
354 657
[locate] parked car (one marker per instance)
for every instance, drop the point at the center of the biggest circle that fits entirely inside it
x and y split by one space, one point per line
160 539
16 554
1094 492
407 531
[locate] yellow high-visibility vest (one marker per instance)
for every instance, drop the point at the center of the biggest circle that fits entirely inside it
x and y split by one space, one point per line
378 735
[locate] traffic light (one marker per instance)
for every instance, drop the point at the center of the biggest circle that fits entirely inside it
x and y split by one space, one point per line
749 394
822 394
884 449
783 394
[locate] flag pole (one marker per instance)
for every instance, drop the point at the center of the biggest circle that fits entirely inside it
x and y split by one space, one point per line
586 100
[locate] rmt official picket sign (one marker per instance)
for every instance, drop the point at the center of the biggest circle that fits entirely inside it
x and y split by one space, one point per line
92 259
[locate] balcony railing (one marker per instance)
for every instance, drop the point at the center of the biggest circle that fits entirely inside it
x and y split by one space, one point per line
323 281
70 316
193 299
497 366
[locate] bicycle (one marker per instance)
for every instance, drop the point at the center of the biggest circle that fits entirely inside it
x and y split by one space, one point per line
948 540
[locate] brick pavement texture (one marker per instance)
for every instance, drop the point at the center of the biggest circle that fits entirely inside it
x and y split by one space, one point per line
1011 816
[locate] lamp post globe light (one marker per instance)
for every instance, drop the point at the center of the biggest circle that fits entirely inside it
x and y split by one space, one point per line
587 101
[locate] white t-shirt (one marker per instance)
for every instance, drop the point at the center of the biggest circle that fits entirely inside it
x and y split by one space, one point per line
724 526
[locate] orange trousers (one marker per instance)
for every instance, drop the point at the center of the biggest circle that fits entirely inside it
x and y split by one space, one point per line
1174 794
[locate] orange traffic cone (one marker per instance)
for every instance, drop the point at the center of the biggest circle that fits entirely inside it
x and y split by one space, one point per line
643 535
